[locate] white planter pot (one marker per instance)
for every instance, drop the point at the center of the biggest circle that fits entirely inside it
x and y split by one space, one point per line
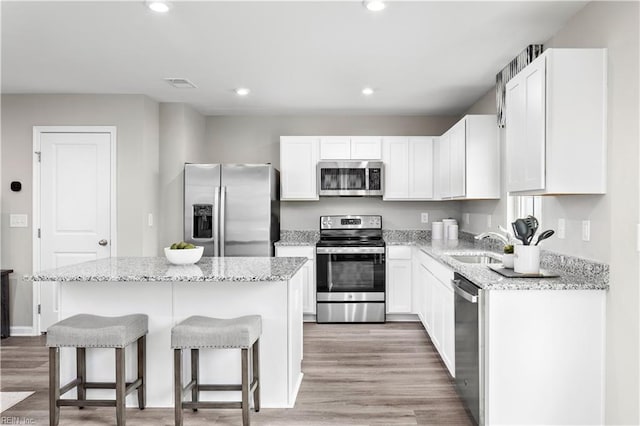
526 259
507 260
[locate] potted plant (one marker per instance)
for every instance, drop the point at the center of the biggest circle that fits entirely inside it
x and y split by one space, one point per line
507 257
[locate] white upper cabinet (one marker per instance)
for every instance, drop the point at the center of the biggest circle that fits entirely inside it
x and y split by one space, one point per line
556 124
468 160
350 147
298 160
408 169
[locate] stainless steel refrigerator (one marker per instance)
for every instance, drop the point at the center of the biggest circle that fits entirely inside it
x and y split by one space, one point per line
232 209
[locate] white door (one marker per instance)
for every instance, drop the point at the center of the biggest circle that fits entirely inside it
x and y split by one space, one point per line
75 206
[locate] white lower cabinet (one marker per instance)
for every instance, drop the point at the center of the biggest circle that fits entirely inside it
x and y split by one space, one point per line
308 276
398 281
436 305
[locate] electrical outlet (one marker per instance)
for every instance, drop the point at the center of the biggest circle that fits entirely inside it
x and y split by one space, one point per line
18 221
586 230
561 229
424 217
466 219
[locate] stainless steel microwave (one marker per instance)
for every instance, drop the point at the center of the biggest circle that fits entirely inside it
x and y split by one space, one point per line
350 178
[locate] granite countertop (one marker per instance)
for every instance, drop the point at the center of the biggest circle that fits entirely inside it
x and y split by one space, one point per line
241 269
575 273
297 238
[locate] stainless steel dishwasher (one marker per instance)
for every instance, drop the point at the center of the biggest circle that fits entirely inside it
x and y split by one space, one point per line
469 344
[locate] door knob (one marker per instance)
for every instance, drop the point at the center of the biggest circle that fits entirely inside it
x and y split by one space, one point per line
103 242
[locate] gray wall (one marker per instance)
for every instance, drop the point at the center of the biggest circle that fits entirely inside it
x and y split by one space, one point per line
613 216
256 139
136 120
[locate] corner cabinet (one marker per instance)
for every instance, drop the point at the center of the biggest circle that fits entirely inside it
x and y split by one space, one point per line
298 160
468 160
556 124
408 163
308 274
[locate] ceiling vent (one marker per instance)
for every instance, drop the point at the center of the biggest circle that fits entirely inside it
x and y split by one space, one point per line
180 83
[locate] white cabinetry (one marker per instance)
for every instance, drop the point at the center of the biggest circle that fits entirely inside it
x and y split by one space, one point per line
468 154
298 160
556 124
436 306
408 167
399 280
350 147
308 274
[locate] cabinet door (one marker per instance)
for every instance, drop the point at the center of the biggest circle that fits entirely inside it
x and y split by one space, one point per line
298 160
395 154
398 286
448 352
308 275
525 128
366 148
428 280
420 168
335 148
457 161
443 166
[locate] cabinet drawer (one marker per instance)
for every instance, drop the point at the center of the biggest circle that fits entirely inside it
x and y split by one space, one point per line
296 251
399 252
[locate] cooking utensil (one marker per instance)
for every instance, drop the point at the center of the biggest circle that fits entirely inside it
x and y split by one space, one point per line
521 230
544 235
532 223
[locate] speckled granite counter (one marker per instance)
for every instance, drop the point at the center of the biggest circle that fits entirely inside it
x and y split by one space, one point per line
119 269
297 238
575 273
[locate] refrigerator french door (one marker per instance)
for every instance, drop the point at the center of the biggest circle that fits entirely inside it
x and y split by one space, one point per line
232 209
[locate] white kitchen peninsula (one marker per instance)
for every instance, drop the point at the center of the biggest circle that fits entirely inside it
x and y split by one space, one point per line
215 286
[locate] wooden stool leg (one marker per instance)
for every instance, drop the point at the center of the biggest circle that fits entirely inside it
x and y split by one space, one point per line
256 374
177 385
81 373
195 359
245 387
120 387
142 371
54 386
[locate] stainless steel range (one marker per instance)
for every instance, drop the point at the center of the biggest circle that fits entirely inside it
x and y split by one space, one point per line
350 270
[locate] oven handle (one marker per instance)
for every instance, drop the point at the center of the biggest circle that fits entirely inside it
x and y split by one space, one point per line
462 293
349 250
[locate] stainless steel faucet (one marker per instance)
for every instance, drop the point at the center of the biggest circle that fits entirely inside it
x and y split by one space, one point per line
493 235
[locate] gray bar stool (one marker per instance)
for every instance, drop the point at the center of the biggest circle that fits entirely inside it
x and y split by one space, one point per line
92 331
198 332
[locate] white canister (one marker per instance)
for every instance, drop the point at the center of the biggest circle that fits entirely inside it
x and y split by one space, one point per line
452 232
446 223
526 259
437 230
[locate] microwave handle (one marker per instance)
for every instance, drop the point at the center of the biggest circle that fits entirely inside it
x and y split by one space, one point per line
366 178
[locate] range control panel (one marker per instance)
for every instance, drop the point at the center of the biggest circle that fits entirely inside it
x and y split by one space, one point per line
351 222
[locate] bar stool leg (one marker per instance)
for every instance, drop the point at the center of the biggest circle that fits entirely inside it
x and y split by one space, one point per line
195 359
81 373
256 374
54 386
120 387
245 387
142 371
177 385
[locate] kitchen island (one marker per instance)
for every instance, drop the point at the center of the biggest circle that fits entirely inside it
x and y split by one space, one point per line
222 287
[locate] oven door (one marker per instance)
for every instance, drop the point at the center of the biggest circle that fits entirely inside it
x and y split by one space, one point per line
353 274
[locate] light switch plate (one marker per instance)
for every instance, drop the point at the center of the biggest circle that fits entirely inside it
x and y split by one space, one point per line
150 220
489 221
465 218
586 230
424 217
18 221
561 229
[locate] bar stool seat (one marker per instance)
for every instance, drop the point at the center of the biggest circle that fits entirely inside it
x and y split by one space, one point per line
92 331
199 332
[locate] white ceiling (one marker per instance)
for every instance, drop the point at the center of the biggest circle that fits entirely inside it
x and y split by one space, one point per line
296 57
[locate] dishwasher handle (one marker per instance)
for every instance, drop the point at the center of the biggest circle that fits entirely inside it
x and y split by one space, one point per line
463 293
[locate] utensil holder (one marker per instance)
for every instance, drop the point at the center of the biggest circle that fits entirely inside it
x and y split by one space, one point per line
526 259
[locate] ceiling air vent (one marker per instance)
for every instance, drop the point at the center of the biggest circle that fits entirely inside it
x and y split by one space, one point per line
180 83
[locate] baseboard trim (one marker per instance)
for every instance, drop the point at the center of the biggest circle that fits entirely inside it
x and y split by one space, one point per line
20 331
402 317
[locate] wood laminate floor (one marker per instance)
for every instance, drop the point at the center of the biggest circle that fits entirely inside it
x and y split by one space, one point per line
355 374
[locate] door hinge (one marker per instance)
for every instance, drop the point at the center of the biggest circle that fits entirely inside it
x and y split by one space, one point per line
38 153
39 309
39 233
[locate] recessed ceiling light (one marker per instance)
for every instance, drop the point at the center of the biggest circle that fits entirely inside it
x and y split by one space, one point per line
374 5
242 91
368 91
180 83
159 6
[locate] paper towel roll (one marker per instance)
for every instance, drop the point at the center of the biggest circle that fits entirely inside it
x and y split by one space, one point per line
437 229
452 232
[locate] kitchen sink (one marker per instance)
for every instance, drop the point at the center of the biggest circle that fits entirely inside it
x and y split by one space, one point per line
481 259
